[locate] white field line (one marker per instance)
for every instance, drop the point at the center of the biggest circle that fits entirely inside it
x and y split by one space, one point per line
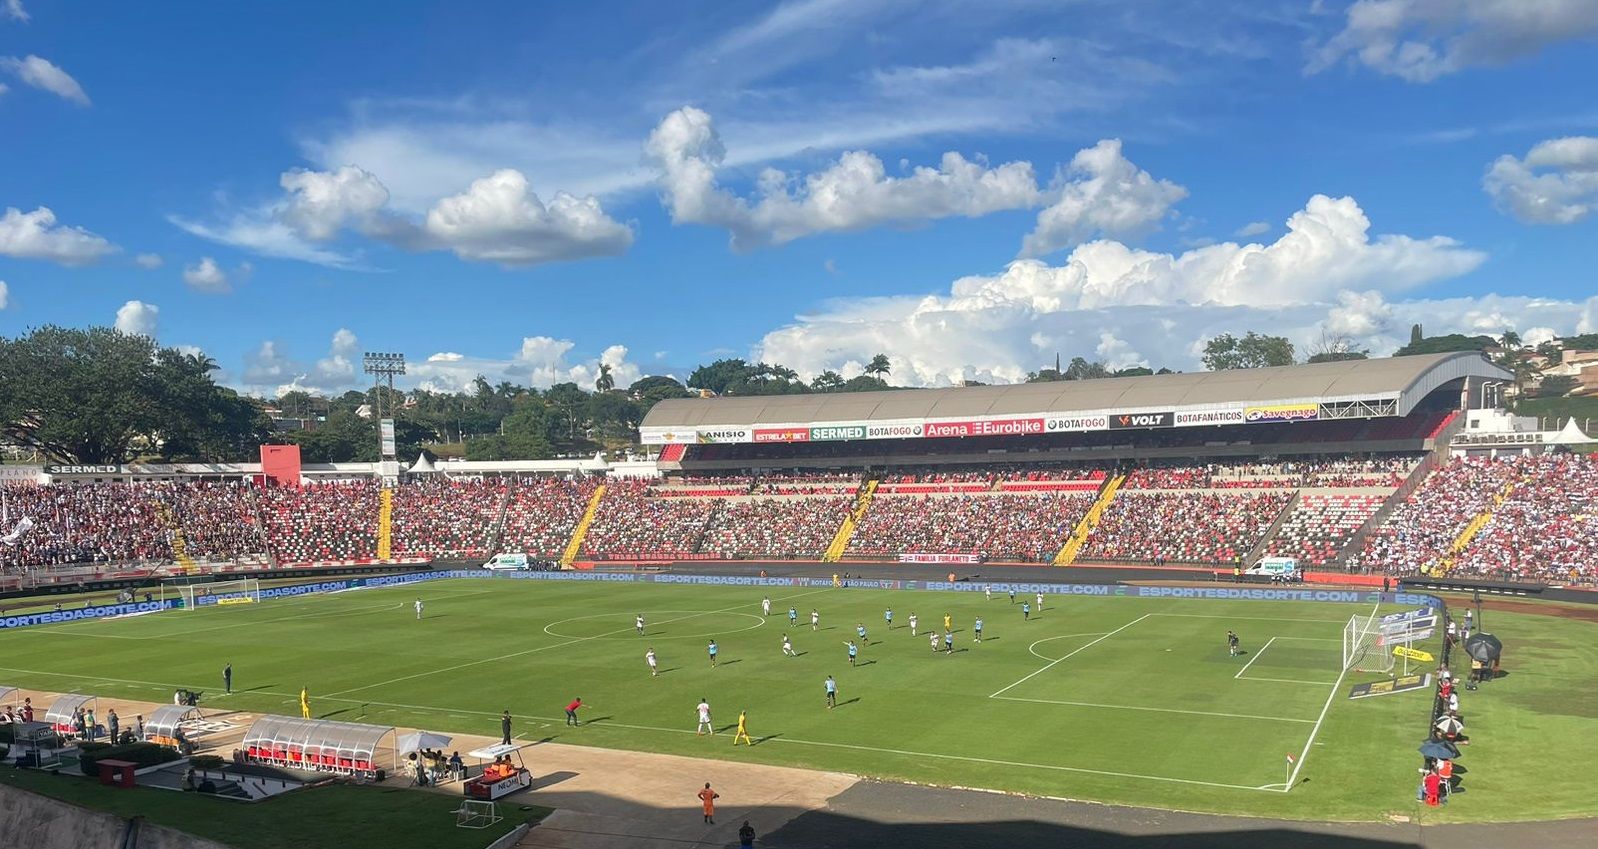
942 756
1250 618
1153 709
525 652
1254 658
1292 681
1083 647
1292 777
1032 648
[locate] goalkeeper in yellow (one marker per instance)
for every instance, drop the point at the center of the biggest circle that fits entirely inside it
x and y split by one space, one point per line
743 729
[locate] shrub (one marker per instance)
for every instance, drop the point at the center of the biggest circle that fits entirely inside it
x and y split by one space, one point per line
142 754
206 762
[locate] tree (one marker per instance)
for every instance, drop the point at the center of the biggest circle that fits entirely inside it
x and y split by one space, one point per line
827 381
606 382
865 383
1415 334
98 395
1509 339
1081 369
1446 344
879 366
1134 371
1336 348
1044 375
1556 386
648 391
1226 352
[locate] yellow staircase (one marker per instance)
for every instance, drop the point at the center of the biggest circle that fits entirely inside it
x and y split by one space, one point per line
575 547
840 540
1090 520
180 545
1473 528
385 524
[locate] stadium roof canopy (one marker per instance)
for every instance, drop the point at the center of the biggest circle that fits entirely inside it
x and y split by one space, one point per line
1348 389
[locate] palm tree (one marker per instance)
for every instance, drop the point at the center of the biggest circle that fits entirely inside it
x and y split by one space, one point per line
606 382
879 366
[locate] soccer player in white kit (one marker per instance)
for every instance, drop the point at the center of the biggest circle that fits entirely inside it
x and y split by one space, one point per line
418 608
649 658
1040 602
787 647
987 590
815 618
704 719
765 606
932 636
638 624
913 621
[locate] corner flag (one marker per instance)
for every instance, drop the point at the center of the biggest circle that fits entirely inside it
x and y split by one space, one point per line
1290 758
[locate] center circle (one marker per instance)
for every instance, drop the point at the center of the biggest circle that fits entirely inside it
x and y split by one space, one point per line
658 625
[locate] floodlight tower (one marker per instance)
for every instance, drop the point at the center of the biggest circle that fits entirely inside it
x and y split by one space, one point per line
383 367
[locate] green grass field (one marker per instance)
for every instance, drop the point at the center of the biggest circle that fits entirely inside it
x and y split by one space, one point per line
1117 699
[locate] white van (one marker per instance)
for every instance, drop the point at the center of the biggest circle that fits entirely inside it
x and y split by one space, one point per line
509 563
1283 569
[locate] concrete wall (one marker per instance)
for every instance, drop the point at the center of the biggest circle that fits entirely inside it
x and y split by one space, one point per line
39 822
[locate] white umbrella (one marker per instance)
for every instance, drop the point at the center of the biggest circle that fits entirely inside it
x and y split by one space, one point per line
423 740
1450 725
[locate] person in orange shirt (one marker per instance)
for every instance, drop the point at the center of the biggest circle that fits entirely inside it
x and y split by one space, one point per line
709 797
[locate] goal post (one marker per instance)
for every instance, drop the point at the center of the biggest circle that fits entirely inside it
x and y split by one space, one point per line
194 596
1364 646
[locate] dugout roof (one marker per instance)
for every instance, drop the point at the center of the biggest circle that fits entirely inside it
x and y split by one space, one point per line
1352 389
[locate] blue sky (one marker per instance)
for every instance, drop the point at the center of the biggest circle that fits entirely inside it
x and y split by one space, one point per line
526 190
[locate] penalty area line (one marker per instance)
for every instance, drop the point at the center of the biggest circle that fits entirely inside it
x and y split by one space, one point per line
1068 656
1255 657
1292 777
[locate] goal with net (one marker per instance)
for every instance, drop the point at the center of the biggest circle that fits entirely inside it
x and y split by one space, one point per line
1365 646
197 595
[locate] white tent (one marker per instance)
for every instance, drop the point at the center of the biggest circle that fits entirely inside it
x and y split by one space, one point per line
423 465
1571 435
422 740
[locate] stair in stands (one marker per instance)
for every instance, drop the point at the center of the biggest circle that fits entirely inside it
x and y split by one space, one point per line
180 545
575 547
385 523
1089 521
1258 551
840 540
1470 530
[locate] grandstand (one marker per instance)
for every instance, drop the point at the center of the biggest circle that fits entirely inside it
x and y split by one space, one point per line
1342 466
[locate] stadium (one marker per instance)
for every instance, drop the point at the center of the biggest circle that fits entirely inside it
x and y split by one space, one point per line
802 424
1075 554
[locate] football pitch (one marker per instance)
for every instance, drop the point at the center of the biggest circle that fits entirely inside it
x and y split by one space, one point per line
1118 699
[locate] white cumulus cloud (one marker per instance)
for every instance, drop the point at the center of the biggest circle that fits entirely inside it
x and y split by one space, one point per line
1252 229
1101 193
36 235
1421 40
271 371
137 318
44 75
500 219
148 262
855 193
1114 301
1556 182
13 10
541 362
206 276
5 295
496 219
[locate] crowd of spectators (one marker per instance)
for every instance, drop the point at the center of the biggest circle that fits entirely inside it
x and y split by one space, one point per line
1546 529
1319 526
321 521
1421 531
634 521
1000 526
1290 474
218 519
798 527
542 513
444 517
84 523
1183 527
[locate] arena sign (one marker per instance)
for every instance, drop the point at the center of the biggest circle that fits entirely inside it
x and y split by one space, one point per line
782 434
83 470
983 427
